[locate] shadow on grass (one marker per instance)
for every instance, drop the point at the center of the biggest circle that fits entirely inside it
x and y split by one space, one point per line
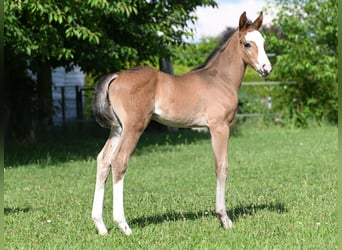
84 142
16 210
234 214
251 209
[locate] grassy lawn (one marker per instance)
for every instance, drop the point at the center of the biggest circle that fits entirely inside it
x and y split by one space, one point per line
281 192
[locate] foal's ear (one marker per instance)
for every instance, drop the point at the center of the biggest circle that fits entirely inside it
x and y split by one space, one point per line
243 21
258 22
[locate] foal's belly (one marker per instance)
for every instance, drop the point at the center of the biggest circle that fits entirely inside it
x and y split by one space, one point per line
181 118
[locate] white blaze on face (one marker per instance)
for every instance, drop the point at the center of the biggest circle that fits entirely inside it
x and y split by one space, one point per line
263 66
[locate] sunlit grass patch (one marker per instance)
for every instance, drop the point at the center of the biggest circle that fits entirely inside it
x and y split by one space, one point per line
281 193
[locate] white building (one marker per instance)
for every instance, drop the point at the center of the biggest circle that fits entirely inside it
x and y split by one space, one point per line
65 86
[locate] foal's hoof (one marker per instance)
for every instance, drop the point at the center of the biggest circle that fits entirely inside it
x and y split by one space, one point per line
103 233
125 228
127 231
227 224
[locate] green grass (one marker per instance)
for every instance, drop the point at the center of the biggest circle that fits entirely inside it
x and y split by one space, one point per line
281 192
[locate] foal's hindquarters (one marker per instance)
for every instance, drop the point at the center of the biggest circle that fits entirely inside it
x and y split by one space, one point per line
114 156
104 163
125 131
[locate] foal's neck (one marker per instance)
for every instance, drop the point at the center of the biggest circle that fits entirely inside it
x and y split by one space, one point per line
228 63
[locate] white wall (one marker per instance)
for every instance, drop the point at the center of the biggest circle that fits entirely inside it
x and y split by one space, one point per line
68 80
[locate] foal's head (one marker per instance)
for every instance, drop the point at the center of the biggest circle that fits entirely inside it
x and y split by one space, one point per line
252 45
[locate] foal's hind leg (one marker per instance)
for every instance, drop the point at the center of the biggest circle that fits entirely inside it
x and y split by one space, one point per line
219 139
119 164
103 168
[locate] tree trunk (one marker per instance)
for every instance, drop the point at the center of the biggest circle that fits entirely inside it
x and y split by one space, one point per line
18 101
44 96
166 65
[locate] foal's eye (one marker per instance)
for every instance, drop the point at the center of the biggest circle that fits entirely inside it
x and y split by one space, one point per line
247 45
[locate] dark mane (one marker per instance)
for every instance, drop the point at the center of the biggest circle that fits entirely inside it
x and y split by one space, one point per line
224 37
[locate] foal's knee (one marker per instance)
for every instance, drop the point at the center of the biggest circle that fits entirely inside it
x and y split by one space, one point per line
221 173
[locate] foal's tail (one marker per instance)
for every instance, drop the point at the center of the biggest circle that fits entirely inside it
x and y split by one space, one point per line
102 110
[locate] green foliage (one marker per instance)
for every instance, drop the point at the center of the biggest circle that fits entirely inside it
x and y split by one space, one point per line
188 56
100 36
304 37
281 192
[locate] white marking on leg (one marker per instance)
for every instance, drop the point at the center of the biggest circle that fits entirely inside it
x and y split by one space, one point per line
97 211
220 135
101 177
221 206
118 207
103 168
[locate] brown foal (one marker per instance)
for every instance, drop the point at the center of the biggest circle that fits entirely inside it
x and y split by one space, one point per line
206 97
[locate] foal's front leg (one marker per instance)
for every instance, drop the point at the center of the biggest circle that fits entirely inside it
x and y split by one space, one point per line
219 140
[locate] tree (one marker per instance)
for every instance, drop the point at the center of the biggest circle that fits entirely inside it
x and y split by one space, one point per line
192 55
304 36
100 36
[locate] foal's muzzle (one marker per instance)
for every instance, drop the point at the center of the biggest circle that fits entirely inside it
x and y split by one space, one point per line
264 70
